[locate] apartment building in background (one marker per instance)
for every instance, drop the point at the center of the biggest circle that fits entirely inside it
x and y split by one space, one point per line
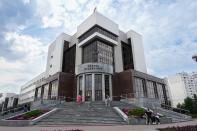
8 100
181 85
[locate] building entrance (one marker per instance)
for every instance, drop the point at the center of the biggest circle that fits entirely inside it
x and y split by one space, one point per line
94 87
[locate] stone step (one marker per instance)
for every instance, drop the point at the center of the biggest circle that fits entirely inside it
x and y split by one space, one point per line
82 118
78 124
72 114
178 120
81 113
84 115
81 123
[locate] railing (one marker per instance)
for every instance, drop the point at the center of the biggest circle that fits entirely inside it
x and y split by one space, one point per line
179 110
59 98
5 112
160 101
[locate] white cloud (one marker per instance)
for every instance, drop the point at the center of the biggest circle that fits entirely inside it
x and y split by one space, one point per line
71 5
16 72
30 47
51 22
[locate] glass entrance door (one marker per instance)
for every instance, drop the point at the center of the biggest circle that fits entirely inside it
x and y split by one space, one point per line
88 87
98 87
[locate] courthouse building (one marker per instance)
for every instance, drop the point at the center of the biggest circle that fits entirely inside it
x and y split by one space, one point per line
98 60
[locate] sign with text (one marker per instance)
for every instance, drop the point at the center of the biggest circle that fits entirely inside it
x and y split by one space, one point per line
94 67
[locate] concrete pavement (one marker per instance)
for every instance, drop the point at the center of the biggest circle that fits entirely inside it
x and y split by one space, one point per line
99 128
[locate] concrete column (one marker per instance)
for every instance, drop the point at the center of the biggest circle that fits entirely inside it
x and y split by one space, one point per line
83 87
148 90
110 87
77 85
103 86
93 88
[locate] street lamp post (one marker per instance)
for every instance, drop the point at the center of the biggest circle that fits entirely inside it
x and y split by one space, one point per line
194 57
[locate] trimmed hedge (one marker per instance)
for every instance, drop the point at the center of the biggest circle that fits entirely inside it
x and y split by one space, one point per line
136 112
34 113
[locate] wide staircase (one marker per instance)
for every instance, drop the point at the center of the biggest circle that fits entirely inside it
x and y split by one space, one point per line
94 113
176 117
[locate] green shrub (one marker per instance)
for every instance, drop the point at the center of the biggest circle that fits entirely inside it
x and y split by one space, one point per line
33 113
137 112
194 116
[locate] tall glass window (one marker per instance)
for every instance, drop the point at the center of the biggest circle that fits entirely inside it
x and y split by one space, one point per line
98 87
164 92
54 89
98 51
144 88
127 56
150 88
80 85
140 87
160 92
39 93
107 92
155 90
88 87
46 91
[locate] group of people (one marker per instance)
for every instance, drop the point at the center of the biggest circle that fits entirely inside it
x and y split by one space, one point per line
26 108
152 117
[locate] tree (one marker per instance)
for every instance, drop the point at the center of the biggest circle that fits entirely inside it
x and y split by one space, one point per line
188 104
179 105
195 98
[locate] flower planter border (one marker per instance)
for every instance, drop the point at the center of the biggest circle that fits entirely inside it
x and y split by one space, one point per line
18 123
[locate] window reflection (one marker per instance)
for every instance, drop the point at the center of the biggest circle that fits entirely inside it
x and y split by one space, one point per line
98 51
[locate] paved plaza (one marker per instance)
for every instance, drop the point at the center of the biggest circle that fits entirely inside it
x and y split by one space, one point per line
99 128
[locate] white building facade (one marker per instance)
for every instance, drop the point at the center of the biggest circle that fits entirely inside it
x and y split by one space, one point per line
8 100
27 92
91 61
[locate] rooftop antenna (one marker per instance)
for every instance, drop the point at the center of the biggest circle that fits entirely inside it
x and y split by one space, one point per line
95 9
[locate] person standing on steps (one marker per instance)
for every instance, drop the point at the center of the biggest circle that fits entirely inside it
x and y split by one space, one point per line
79 99
148 114
107 101
157 119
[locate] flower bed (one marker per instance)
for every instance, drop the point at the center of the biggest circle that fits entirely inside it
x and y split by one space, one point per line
29 115
184 128
126 111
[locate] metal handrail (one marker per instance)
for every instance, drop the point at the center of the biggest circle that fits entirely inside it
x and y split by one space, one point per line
50 97
165 106
11 110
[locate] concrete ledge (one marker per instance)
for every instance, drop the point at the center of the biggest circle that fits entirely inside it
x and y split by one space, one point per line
165 120
121 113
136 121
43 116
19 123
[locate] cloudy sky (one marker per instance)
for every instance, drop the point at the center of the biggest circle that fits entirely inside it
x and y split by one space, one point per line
169 29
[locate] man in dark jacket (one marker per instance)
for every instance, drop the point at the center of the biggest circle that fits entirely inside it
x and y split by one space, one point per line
148 114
